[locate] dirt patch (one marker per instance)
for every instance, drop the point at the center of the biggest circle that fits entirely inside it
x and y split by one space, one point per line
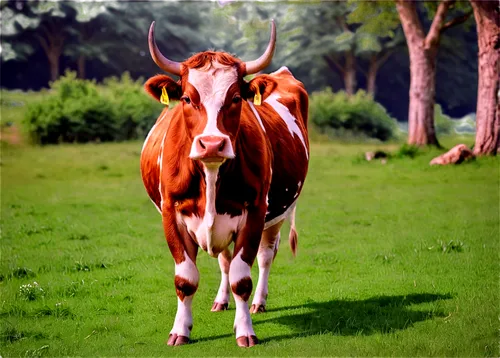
11 135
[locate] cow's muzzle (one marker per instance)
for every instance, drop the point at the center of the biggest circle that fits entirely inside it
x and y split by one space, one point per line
212 149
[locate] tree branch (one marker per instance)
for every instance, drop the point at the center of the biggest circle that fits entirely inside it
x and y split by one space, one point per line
432 37
456 21
333 64
384 57
43 43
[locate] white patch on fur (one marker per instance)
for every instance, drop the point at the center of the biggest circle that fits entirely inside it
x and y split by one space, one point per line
242 320
265 257
238 270
212 84
287 117
223 293
213 230
183 317
160 160
153 129
283 216
280 70
223 229
257 115
187 270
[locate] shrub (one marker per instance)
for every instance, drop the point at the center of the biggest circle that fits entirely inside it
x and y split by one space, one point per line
358 114
137 112
81 111
446 126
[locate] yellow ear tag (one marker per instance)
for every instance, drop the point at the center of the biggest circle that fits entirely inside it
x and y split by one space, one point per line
257 100
164 96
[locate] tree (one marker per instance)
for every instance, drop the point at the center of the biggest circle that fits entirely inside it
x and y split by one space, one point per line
423 49
486 14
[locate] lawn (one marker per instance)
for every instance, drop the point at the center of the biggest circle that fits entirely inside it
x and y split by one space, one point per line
399 259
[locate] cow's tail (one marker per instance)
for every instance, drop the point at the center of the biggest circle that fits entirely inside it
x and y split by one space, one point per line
293 237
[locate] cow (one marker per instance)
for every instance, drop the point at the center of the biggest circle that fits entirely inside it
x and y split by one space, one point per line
225 165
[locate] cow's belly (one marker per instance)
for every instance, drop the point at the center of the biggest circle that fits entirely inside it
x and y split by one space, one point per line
213 238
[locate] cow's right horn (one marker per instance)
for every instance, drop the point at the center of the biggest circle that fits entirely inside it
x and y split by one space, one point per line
164 63
266 58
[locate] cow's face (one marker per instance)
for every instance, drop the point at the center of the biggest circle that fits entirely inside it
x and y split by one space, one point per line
211 89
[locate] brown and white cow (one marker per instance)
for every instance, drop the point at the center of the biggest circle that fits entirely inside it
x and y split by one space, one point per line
222 168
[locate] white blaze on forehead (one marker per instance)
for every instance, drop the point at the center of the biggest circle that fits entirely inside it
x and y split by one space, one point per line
212 83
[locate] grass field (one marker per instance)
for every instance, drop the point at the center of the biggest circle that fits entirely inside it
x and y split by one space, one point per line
399 259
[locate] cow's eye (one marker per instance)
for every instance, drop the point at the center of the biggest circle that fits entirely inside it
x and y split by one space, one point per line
236 99
186 99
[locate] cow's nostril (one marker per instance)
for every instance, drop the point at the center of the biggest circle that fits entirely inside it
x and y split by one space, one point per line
221 147
201 144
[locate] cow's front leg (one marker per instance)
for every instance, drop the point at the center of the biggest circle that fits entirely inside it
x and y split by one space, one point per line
186 282
221 301
245 250
267 251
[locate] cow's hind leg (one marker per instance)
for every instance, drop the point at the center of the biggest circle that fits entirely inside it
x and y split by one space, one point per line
221 301
265 256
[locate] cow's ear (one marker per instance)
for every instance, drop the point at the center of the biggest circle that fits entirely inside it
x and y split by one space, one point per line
154 86
263 84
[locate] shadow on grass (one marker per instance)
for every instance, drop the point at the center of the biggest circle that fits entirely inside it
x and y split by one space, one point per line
380 314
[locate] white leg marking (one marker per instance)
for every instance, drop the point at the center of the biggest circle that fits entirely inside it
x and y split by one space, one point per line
238 270
242 320
184 317
287 117
224 262
265 259
187 270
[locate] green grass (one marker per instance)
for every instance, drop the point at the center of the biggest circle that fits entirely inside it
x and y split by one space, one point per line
394 260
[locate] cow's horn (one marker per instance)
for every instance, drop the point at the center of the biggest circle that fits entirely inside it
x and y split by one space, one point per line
264 60
164 63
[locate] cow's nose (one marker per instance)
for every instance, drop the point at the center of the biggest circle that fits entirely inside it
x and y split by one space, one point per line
211 146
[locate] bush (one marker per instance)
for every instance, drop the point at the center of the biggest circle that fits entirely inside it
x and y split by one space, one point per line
357 114
137 112
81 111
446 126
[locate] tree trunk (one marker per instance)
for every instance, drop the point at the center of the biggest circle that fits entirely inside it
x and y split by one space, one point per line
350 73
53 58
371 76
421 129
488 104
423 54
81 66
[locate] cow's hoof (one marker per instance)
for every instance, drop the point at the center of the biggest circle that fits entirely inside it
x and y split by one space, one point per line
175 340
219 307
245 341
257 308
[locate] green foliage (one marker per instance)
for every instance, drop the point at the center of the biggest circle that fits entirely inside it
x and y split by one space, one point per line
407 151
137 112
31 291
359 114
446 126
74 112
79 111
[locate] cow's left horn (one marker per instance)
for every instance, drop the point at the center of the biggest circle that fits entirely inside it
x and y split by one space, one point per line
164 63
264 60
